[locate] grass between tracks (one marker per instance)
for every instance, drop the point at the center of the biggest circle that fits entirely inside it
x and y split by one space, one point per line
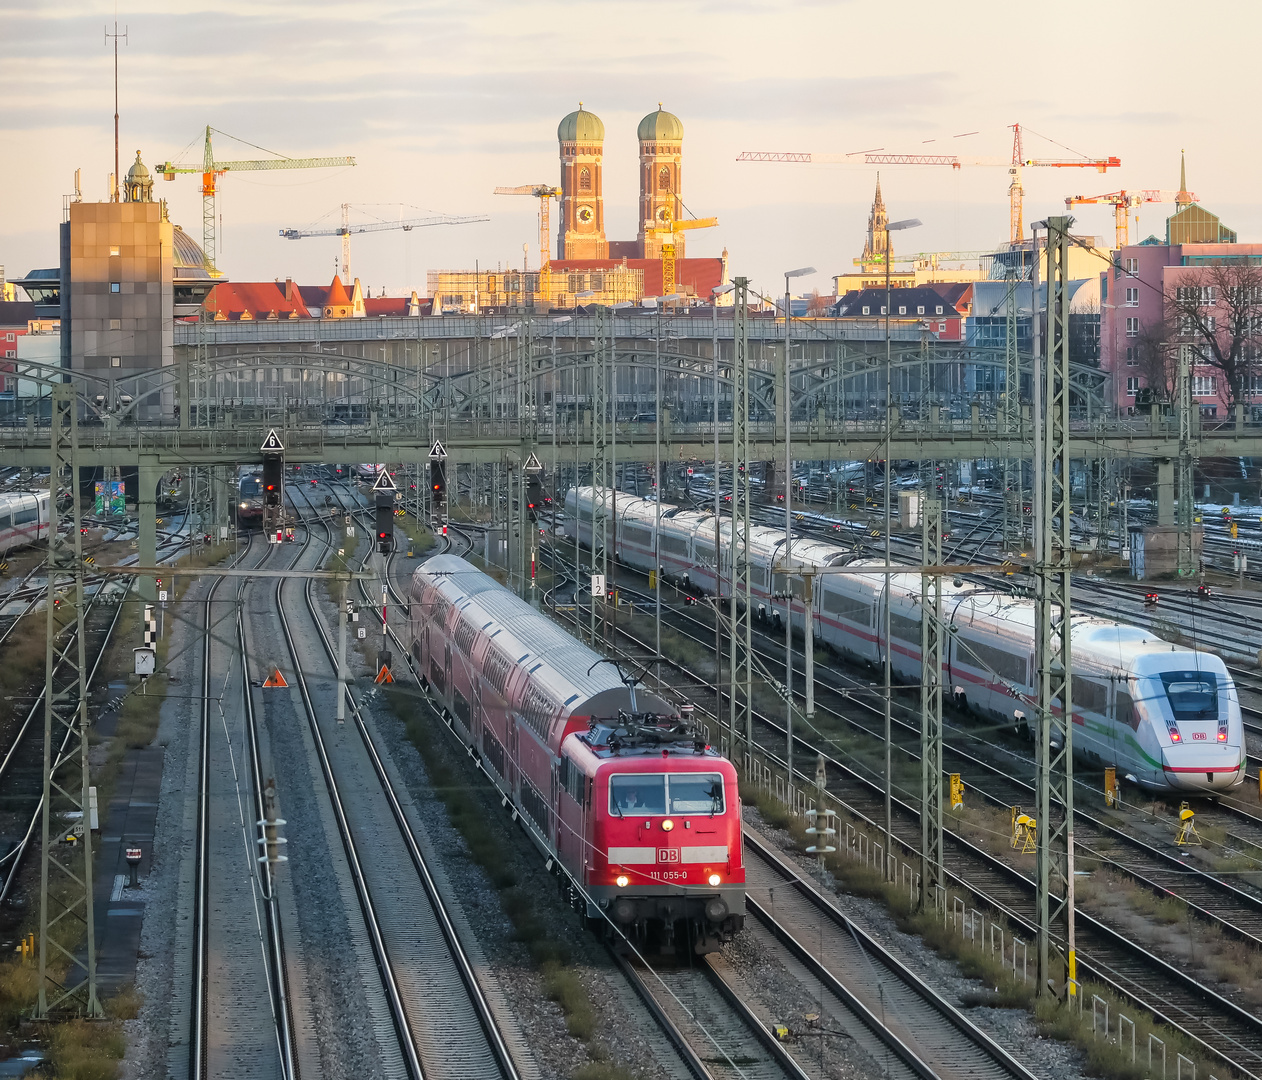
964 935
471 808
78 1049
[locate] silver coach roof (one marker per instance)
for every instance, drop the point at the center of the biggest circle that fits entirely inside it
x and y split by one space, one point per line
530 639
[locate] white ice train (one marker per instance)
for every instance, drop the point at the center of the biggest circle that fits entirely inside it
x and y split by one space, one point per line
23 519
1165 715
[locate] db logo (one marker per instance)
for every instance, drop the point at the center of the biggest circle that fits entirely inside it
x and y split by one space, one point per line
667 855
1199 736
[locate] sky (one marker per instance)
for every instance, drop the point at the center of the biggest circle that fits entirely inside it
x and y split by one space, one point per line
439 103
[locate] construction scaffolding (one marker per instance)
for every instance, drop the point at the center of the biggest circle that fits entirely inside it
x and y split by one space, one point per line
467 291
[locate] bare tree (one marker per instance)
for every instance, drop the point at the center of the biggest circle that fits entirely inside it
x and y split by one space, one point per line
817 306
1214 315
1155 361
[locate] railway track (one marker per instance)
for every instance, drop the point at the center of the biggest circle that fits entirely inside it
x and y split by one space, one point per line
1224 1029
241 1008
424 963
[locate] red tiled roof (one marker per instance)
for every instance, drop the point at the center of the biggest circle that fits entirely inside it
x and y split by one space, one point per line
699 276
257 299
383 306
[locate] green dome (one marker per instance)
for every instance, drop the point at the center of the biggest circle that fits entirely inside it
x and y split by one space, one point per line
581 126
138 170
661 126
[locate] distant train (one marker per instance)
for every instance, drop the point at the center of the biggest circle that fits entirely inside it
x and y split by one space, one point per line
616 784
1166 716
247 510
24 519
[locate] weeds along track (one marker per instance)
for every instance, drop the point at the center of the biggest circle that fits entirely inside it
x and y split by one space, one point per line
1223 1028
445 1026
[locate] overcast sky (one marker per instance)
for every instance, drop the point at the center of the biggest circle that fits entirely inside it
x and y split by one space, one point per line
441 102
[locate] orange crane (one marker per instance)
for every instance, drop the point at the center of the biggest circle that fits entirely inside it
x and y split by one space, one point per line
212 169
1016 194
1123 201
667 230
544 193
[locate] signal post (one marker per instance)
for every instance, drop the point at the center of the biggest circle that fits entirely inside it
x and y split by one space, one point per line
273 451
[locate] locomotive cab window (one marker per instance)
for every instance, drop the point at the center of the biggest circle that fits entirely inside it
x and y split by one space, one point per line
657 794
696 793
1193 695
641 793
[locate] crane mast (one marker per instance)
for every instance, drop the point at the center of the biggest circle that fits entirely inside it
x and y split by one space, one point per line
211 170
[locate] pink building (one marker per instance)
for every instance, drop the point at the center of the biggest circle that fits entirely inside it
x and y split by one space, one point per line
1142 332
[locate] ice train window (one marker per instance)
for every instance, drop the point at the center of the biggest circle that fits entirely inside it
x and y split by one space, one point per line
1193 695
1124 710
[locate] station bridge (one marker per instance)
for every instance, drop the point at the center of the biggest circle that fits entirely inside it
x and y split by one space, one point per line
494 397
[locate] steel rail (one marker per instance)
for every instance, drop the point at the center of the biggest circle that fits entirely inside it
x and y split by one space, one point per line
477 1000
951 1017
18 853
277 989
1122 983
402 1025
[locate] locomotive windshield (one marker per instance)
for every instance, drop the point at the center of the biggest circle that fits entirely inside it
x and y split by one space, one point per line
657 794
250 485
1193 695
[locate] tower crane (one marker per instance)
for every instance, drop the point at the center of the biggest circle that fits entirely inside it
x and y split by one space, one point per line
212 169
346 229
1123 201
544 193
1016 193
667 230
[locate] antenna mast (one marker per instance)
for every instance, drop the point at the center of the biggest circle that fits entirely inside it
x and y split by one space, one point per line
115 36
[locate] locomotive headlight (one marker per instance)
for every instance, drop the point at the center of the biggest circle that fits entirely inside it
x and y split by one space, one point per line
714 879
622 881
243 505
667 825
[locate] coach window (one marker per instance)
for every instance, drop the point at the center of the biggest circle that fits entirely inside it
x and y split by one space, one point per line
639 793
22 517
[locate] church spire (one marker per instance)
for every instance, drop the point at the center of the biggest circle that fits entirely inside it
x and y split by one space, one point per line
1183 198
874 253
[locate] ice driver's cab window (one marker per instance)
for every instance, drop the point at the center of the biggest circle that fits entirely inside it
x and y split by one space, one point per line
1193 695
641 794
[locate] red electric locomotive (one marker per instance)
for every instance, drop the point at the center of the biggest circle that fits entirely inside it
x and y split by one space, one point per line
618 786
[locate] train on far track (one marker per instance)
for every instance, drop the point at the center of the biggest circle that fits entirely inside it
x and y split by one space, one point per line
1166 716
247 511
24 519
615 783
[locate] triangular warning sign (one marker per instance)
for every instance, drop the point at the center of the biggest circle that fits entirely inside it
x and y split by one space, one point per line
533 464
384 676
275 679
437 452
272 444
384 481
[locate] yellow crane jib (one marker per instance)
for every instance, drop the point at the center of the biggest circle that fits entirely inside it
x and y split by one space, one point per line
545 193
210 169
667 230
